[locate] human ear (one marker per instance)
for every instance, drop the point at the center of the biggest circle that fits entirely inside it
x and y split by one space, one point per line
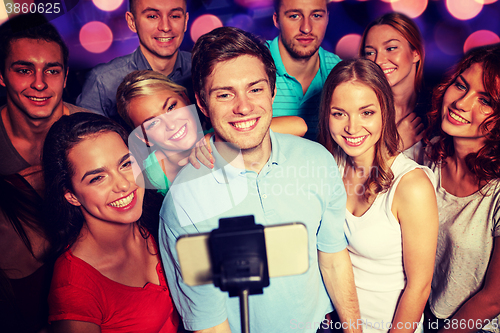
201 105
71 198
276 20
416 56
131 21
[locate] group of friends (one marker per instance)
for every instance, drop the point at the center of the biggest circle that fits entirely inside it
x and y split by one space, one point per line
400 197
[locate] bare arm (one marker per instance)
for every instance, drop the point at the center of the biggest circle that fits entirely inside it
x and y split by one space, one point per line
289 125
338 277
73 326
221 328
485 304
419 228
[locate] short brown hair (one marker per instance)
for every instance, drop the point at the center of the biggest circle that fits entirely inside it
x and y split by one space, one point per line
223 44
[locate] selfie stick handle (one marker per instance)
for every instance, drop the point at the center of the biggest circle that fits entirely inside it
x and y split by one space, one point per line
245 321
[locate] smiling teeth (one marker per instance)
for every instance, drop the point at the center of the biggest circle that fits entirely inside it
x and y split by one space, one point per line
355 140
458 118
123 202
179 133
38 99
164 39
387 71
244 124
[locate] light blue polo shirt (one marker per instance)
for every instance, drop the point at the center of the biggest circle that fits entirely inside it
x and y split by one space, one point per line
289 100
299 183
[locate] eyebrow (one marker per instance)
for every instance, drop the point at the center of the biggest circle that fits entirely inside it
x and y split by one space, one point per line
163 108
151 9
386 42
27 63
468 86
361 108
300 11
99 170
232 88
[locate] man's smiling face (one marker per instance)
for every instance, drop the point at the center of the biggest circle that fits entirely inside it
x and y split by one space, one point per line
239 102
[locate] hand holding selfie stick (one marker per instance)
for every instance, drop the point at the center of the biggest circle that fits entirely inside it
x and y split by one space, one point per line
239 260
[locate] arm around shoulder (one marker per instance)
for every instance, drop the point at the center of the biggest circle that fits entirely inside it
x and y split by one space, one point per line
289 125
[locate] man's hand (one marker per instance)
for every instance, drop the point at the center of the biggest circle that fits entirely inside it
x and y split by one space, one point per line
201 152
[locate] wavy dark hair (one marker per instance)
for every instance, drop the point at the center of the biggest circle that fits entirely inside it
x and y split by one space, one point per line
67 220
409 30
485 163
368 73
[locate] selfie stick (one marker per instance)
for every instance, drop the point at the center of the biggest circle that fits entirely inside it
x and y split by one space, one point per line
239 260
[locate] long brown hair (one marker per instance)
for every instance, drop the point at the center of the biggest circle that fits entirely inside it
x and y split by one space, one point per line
409 30
485 163
369 74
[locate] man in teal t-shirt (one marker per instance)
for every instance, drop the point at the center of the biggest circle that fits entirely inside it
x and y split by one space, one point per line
302 65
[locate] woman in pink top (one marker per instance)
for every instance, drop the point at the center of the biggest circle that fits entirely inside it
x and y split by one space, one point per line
109 276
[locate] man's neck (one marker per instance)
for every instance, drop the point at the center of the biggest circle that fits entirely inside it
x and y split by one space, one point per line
162 65
302 69
252 159
20 126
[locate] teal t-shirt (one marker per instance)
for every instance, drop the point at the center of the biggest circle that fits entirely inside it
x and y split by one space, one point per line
290 100
155 174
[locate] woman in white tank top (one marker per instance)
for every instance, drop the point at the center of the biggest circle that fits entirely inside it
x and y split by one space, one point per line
391 217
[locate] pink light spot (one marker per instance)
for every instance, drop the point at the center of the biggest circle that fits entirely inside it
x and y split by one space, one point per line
464 9
204 24
411 8
96 37
254 3
348 46
480 38
107 5
486 2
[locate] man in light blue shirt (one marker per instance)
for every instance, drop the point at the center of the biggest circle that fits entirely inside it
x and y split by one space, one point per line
275 177
302 65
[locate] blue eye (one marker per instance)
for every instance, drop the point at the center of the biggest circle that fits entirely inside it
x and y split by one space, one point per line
152 124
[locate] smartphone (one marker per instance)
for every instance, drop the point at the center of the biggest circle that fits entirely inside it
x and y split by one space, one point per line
286 247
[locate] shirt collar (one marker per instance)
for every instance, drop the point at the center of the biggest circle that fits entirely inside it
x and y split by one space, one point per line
275 52
141 60
224 172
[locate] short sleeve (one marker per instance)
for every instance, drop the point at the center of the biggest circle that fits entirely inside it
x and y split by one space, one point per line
68 302
330 236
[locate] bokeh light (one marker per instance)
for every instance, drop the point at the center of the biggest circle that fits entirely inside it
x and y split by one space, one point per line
254 3
348 46
486 2
241 21
96 37
204 24
411 8
464 9
107 5
450 36
480 38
